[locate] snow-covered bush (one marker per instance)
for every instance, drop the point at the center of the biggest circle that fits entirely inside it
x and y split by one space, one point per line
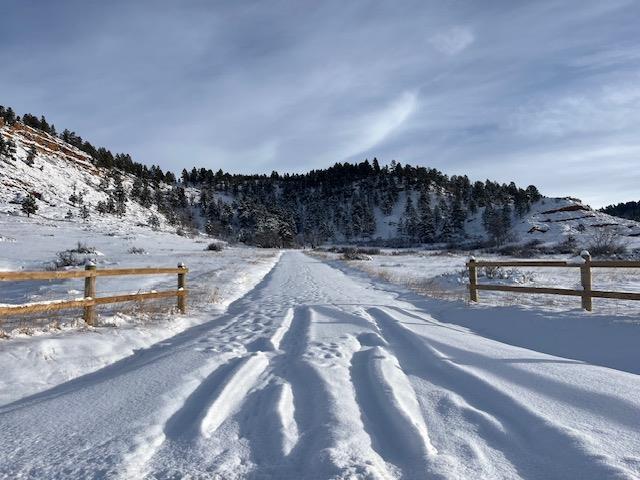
66 258
83 248
513 275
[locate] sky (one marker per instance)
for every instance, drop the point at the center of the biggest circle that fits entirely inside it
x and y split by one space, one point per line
536 92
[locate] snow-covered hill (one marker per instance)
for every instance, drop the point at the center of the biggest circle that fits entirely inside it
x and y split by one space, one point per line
58 170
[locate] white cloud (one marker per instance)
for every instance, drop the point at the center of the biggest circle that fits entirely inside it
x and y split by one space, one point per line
453 40
374 128
602 109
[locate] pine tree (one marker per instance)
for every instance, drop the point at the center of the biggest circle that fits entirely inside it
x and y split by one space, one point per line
101 207
119 197
154 222
73 198
29 205
10 116
425 227
136 188
506 217
447 230
410 219
145 195
458 217
401 231
7 148
31 156
84 212
3 146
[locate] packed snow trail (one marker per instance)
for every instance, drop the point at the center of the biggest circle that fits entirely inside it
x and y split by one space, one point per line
319 374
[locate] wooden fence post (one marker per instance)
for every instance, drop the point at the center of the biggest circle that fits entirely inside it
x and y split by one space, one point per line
473 279
90 292
585 279
182 280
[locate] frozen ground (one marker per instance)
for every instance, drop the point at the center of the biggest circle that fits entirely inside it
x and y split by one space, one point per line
42 355
323 372
443 274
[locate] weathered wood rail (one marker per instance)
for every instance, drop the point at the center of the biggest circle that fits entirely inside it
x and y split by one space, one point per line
585 265
90 301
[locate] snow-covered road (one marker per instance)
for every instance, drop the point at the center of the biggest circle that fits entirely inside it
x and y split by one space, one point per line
319 374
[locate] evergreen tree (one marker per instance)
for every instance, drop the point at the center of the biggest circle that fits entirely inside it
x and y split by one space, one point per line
84 212
145 195
458 217
119 197
154 222
136 188
101 207
410 220
31 155
7 148
425 227
447 230
29 205
73 198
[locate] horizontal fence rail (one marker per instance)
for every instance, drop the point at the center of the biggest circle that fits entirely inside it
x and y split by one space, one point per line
585 264
90 300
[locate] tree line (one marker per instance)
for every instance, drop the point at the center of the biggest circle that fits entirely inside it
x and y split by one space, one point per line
345 202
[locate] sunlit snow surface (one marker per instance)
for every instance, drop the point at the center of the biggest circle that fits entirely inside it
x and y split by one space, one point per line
321 371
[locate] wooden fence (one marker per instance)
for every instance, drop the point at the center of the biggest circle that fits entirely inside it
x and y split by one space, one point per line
586 264
89 302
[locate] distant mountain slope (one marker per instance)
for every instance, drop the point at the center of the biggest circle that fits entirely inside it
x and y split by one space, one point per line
365 202
63 179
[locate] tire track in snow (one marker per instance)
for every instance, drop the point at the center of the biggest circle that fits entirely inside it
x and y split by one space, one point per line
535 447
215 398
306 447
390 411
268 422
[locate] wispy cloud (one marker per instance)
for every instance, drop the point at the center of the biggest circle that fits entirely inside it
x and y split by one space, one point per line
453 40
504 90
375 127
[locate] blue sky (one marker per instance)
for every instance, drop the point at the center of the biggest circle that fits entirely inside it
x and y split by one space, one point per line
544 92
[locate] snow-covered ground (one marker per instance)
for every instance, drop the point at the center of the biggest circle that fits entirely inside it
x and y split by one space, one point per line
321 371
42 355
443 274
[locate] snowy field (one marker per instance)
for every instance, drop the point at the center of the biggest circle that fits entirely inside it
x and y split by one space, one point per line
63 347
443 274
322 371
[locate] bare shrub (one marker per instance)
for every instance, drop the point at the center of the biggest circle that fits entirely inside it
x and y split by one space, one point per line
606 242
368 250
350 250
137 251
491 272
83 248
568 246
215 247
396 253
354 255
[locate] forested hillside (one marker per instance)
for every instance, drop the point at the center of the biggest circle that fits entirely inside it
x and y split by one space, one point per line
365 202
628 210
